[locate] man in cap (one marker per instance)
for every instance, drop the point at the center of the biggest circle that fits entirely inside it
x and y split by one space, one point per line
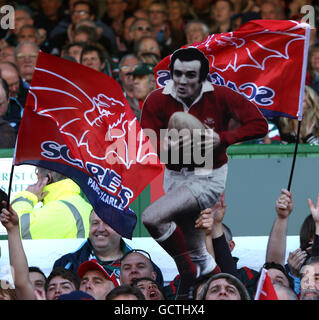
95 280
144 82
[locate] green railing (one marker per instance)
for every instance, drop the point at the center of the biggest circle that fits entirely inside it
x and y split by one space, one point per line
247 151
260 151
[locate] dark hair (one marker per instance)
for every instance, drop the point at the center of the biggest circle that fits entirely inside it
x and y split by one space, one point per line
312 260
90 4
5 87
3 197
230 3
91 32
190 54
307 231
26 9
90 48
55 176
64 273
244 295
38 270
160 288
68 46
198 282
274 265
126 290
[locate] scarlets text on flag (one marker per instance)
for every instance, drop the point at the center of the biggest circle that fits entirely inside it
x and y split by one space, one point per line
77 122
265 289
264 60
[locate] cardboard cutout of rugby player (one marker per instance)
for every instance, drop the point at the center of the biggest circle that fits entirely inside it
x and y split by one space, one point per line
193 183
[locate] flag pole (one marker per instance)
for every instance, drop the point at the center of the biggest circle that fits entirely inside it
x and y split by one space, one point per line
10 185
294 156
260 283
301 96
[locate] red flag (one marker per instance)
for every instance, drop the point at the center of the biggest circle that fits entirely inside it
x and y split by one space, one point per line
264 60
76 121
265 289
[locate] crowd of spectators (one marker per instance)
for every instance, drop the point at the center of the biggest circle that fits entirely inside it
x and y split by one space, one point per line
125 40
106 268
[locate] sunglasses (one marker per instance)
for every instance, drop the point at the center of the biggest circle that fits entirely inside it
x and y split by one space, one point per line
143 252
140 28
127 69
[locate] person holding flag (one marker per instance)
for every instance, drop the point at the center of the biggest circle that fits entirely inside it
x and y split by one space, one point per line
229 118
64 213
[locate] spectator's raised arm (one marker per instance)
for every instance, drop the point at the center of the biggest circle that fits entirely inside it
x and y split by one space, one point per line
206 222
276 247
315 214
18 259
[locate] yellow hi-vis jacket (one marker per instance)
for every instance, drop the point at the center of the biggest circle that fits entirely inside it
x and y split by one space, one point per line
64 213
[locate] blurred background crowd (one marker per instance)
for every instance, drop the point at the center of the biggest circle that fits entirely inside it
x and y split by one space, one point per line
117 36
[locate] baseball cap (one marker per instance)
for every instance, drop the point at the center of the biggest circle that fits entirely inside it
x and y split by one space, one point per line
143 69
94 265
76 295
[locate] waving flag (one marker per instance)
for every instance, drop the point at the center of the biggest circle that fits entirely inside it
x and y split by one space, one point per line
264 60
265 289
77 122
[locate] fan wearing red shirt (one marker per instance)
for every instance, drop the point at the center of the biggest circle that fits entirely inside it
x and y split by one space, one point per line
228 118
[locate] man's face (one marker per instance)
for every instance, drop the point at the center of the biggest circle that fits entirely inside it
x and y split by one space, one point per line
95 284
128 66
27 34
75 52
81 37
150 290
141 29
3 102
50 7
195 33
309 285
277 276
174 10
38 281
186 79
268 11
80 12
7 54
26 60
21 18
222 11
314 60
220 289
141 87
91 59
157 14
12 78
102 236
58 286
134 266
115 8
150 45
